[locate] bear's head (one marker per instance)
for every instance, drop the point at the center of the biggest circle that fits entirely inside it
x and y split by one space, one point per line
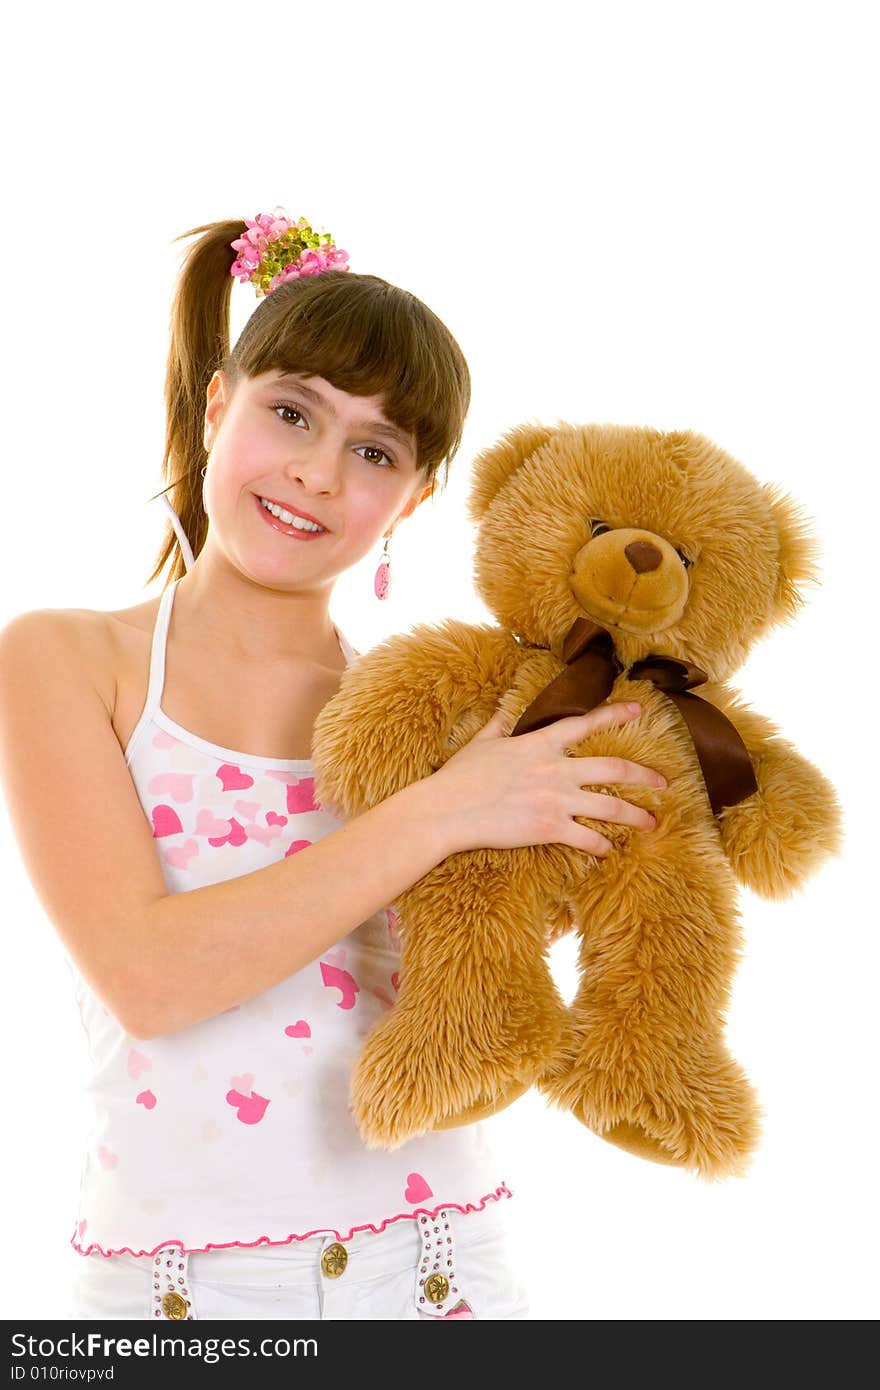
662 538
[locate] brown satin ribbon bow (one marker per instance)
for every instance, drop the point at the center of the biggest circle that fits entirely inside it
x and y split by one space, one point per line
592 666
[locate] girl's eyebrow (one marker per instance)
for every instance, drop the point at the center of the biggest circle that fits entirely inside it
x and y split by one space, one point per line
376 426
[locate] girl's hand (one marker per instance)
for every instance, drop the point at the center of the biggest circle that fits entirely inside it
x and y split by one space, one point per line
499 792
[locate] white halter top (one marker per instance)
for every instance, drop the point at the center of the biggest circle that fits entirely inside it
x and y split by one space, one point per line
236 1130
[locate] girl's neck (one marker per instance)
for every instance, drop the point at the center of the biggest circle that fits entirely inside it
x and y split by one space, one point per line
219 608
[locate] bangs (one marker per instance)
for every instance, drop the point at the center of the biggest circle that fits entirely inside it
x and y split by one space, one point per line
368 338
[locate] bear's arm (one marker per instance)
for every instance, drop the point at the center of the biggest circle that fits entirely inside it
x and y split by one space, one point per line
390 723
781 834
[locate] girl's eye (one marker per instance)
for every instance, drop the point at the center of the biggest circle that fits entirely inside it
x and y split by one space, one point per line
371 448
597 528
294 409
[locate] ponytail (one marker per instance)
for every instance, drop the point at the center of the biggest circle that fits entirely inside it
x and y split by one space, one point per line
199 347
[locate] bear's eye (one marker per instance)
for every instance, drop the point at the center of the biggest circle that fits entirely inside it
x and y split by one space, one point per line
597 527
685 560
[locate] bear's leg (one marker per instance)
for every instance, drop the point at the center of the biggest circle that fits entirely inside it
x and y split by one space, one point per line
643 1061
478 1014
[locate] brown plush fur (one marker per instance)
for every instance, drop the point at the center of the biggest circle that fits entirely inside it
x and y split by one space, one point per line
639 1057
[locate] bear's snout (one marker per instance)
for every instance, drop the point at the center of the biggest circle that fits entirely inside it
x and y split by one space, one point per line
643 556
631 579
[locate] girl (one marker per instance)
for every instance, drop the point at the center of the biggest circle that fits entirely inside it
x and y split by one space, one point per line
231 942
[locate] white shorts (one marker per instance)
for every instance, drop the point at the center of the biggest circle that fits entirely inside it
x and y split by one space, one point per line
453 1265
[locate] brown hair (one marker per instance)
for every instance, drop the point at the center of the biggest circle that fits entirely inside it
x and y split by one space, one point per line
358 332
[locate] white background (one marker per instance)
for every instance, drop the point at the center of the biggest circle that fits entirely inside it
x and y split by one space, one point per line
644 213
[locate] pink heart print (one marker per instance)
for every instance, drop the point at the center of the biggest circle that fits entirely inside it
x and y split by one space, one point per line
242 1083
273 819
236 835
177 785
233 779
137 1063
251 1109
417 1189
163 740
301 797
295 845
146 1099
208 824
107 1158
335 978
82 1227
166 821
264 835
178 856
300 1029
248 809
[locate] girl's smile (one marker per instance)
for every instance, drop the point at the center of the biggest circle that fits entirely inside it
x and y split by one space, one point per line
307 530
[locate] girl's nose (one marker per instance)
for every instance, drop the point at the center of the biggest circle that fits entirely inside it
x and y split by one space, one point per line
319 471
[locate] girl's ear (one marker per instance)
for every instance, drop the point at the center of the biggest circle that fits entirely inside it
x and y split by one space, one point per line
415 501
216 404
492 467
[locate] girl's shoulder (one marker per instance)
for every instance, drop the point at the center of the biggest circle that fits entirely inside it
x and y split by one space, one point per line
107 643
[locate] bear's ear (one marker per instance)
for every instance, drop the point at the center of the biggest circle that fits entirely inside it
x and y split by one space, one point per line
799 552
493 466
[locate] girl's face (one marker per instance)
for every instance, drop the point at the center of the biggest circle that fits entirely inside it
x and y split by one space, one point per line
302 443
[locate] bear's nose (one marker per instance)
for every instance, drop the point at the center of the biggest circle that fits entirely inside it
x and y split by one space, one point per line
643 556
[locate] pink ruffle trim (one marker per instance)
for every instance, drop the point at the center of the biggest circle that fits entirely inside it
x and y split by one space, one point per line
502 1191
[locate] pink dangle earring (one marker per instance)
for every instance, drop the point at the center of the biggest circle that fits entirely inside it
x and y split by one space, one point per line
382 580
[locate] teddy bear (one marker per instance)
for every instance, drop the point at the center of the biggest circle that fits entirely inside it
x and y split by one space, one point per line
620 563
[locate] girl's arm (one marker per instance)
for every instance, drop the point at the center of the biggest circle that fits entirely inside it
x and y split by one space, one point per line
160 960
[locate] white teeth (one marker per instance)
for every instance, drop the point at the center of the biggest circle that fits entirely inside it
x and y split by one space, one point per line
289 519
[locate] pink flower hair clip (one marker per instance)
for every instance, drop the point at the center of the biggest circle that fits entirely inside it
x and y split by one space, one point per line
275 249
